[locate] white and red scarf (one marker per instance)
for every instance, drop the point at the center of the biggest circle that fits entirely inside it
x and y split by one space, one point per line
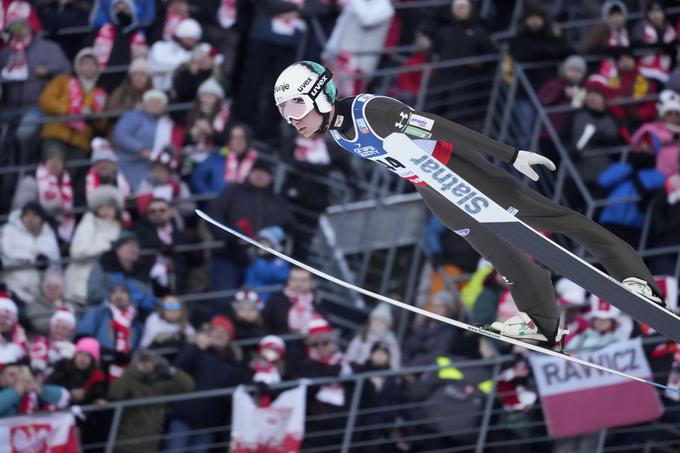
93 180
312 150
333 394
77 102
236 170
219 122
227 13
121 326
167 133
17 64
18 337
657 66
300 314
103 43
618 38
54 192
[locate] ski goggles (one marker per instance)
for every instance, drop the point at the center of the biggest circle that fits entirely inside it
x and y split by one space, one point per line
296 108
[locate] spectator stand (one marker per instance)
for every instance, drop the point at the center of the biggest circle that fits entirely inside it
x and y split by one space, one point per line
489 430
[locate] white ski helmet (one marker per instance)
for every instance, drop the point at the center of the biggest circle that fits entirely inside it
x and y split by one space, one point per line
302 87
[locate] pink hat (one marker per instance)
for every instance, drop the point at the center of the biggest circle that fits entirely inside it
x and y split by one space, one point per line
64 315
273 342
89 345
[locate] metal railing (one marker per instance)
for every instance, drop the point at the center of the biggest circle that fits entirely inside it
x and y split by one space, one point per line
351 430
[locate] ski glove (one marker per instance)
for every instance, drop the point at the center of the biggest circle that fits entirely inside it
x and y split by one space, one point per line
524 161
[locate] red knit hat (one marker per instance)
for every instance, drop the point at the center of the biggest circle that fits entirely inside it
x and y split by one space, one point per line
273 342
318 325
222 322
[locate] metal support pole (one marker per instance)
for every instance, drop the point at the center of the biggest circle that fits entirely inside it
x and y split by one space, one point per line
486 418
113 431
351 418
601 437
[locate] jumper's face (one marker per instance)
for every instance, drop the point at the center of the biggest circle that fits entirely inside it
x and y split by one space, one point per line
301 114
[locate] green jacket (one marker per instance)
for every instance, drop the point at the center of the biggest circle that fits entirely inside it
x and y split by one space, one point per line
147 420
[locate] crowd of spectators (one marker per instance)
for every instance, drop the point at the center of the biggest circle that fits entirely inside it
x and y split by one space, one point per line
163 106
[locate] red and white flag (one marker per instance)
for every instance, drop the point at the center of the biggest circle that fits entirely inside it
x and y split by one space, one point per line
578 399
48 433
278 428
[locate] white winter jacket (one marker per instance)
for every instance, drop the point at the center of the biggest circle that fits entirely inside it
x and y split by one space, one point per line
164 58
19 247
93 236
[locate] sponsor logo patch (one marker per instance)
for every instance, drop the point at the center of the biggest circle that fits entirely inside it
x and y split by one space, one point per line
421 122
416 132
304 84
363 127
364 97
512 211
403 120
282 87
366 151
464 232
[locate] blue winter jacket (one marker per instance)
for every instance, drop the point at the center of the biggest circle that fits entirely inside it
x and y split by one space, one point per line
134 132
266 272
208 176
618 179
10 400
97 323
144 12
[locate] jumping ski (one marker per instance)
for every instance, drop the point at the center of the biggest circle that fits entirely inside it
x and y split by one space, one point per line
413 309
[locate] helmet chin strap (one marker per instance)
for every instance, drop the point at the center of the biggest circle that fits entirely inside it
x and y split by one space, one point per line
325 124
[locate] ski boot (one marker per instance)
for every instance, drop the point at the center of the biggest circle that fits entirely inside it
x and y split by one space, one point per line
641 288
521 327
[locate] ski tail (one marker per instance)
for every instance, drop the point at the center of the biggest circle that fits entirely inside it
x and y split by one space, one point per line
422 312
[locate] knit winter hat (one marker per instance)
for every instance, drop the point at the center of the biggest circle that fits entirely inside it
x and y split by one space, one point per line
246 297
600 308
89 345
102 150
575 62
382 311
63 315
569 293
103 195
272 234
222 322
669 101
155 94
124 237
189 28
272 342
211 86
8 306
318 326
139 65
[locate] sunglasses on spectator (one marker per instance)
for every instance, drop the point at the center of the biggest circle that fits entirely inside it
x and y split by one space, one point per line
157 210
172 306
319 344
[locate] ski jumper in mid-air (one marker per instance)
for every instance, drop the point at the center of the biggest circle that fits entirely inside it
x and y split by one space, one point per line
306 97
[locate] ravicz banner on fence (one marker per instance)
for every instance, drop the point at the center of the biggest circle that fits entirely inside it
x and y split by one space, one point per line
278 428
578 399
49 433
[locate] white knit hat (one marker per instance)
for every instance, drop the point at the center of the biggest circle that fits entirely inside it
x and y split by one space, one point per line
189 28
382 311
63 315
669 100
569 293
155 94
8 305
211 86
600 308
102 150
